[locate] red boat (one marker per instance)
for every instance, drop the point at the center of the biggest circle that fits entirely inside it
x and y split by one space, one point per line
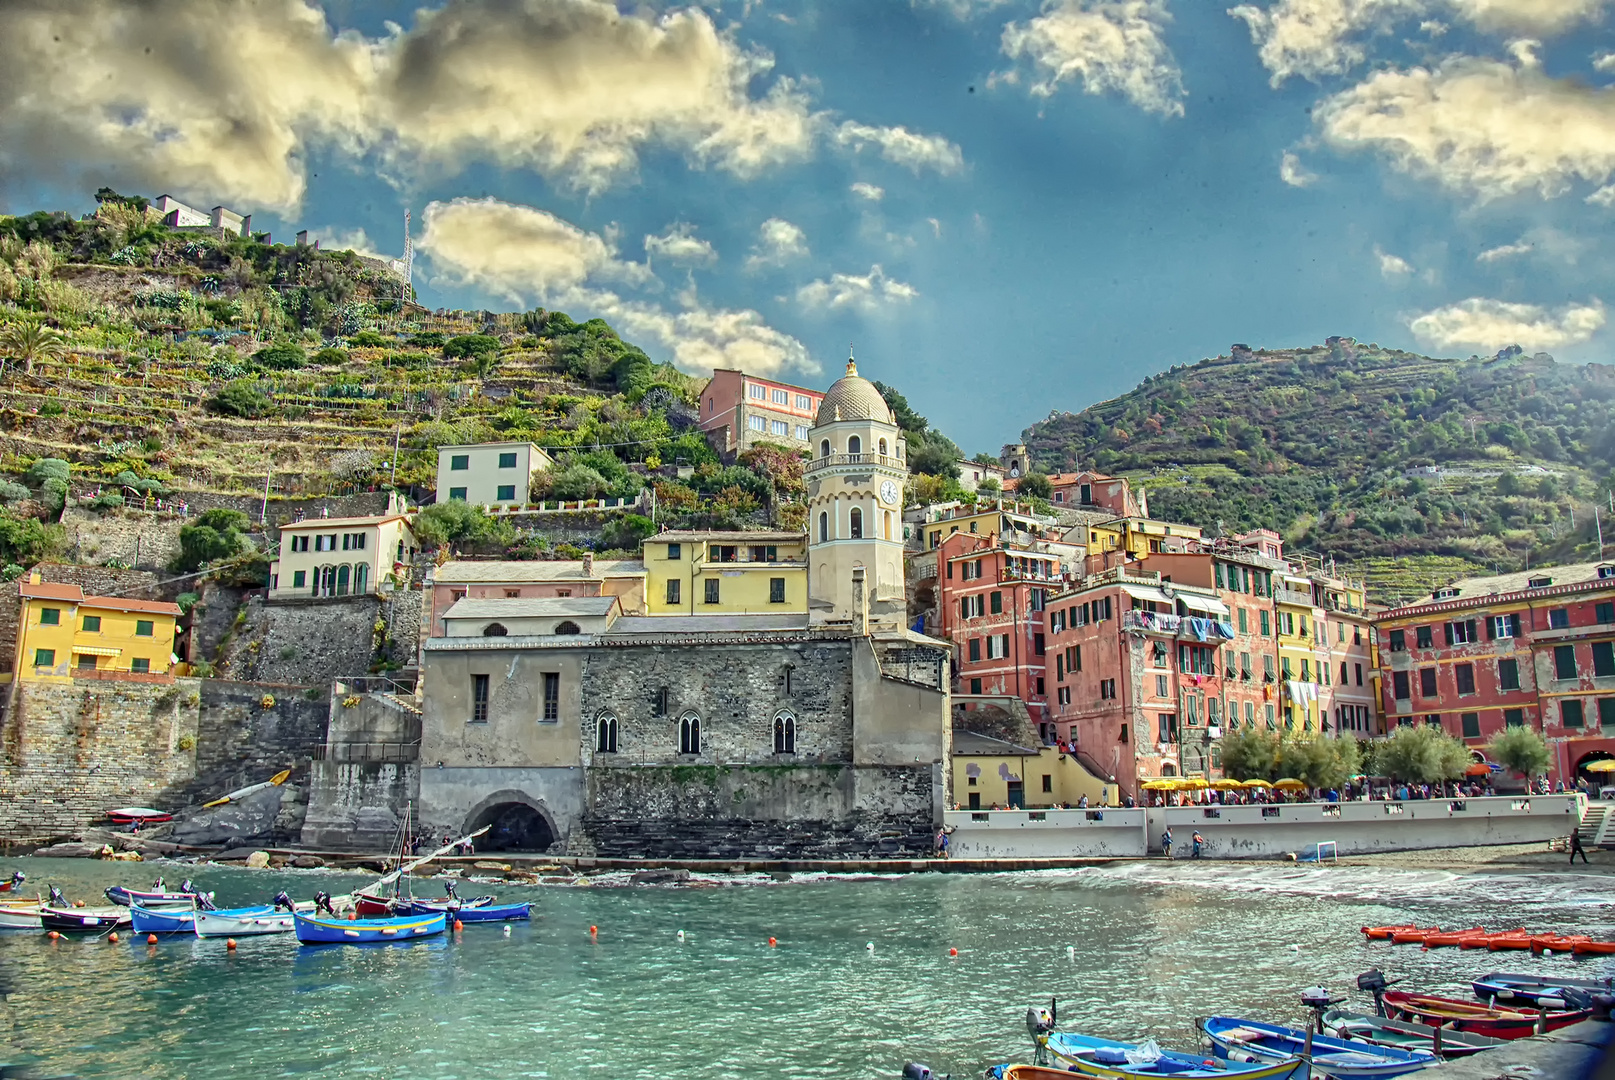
1484 941
1383 933
1451 937
1542 943
373 907
1413 934
1476 1018
1593 948
128 815
1516 939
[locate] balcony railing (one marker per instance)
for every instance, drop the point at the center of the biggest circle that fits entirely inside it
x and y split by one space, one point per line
1292 596
381 753
853 459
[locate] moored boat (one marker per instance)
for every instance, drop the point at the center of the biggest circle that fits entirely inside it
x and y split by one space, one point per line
164 920
1552 943
1088 1056
19 915
1593 948
1451 937
1516 939
128 815
1484 941
69 919
1413 935
1251 1040
14 882
1405 1035
484 913
1503 986
158 897
1383 933
325 931
1499 1023
242 922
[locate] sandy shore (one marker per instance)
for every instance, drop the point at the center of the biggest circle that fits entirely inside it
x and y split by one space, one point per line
1500 857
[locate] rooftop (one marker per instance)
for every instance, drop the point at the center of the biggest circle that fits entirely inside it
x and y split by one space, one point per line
1520 581
691 536
532 607
975 744
323 523
853 397
72 594
513 572
700 624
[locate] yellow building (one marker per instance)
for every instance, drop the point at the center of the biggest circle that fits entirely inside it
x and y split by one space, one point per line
326 557
990 773
726 573
63 634
993 519
1300 633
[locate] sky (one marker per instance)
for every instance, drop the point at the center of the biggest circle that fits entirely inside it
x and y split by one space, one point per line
1003 207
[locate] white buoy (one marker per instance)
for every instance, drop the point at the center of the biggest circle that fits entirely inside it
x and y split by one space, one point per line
681 935
870 948
1070 952
507 929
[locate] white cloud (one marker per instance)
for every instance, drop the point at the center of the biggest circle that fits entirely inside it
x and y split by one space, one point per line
871 192
1544 17
1604 196
1542 242
1293 172
902 146
1484 324
1604 61
702 339
778 242
1391 266
867 293
1502 251
1479 126
1108 46
679 244
357 241
961 9
936 227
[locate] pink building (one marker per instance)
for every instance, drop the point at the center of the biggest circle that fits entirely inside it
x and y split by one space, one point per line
738 410
1089 490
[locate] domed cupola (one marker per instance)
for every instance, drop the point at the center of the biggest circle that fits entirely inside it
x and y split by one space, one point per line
853 397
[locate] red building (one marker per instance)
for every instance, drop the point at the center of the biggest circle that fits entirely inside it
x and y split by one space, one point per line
1089 490
739 410
1535 648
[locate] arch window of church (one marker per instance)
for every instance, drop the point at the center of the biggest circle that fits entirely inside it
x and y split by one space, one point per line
883 448
824 448
854 445
856 523
785 733
606 734
824 527
689 733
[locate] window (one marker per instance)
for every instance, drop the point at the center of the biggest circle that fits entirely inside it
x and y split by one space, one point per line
494 629
711 587
1076 658
1606 712
92 623
675 552
343 576
997 605
1516 717
143 628
1268 715
1359 673
1564 661
140 665
479 699
804 402
824 528
1267 666
505 493
605 734
824 448
1603 658
975 686
1503 626
507 461
757 393
1558 618
1167 727
689 733
855 445
1267 625
353 542
1432 720
997 646
779 427
568 628
299 543
50 616
1464 674
459 462
457 493
785 733
1571 713
87 662
757 423
1250 714
44 657
776 590
1460 633
1343 679
658 704
781 397
1161 686
1107 689
1399 640
552 695
1604 614
1284 662
1508 674
1425 636
802 432
855 523
1399 680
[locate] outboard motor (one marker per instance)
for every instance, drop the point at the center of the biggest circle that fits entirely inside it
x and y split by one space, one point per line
322 902
186 886
913 1070
1373 981
56 897
448 887
18 878
282 902
157 886
1039 1021
1318 1000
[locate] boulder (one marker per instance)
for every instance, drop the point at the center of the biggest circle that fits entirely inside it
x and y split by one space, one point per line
307 862
237 824
70 850
258 860
659 877
503 868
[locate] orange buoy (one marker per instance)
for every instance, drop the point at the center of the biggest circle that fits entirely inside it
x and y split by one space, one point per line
458 925
772 943
78 903
151 939
353 916
953 952
594 930
230 944
53 935
113 937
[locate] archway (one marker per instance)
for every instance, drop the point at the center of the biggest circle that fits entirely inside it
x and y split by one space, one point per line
517 822
1595 780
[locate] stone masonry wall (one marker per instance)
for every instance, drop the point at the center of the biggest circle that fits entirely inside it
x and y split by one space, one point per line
242 741
147 541
306 642
70 752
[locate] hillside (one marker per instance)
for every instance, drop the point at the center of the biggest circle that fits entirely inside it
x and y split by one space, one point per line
1412 469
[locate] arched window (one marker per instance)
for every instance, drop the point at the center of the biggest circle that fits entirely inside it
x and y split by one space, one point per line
824 527
342 580
885 524
605 738
856 524
361 579
567 628
824 448
689 733
854 445
327 576
1168 769
883 448
785 733
494 629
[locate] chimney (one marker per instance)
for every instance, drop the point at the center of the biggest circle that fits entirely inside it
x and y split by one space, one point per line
860 603
35 578
302 238
588 564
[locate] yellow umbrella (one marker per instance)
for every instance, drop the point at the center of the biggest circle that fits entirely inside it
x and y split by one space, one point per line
1192 782
1289 784
1607 765
1159 785
1226 784
1255 784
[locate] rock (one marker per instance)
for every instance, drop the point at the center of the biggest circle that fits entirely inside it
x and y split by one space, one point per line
157 847
503 868
126 856
258 860
235 854
659 877
307 862
250 821
70 850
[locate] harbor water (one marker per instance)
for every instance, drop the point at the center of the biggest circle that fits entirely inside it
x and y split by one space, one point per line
1130 950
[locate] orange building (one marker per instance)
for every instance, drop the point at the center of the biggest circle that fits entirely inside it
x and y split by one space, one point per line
739 410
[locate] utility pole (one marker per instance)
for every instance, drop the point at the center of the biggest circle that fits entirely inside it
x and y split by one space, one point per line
409 265
1599 525
397 431
263 512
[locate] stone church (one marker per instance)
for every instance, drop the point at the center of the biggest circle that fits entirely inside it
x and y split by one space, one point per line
732 736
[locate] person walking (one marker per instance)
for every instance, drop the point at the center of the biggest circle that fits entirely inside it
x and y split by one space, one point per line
942 842
1166 842
1199 842
1576 848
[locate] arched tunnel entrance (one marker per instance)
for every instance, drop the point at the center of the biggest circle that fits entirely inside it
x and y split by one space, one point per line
513 826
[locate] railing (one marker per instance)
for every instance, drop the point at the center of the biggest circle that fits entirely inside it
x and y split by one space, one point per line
748 560
375 753
371 684
922 568
1151 622
853 459
109 675
1292 596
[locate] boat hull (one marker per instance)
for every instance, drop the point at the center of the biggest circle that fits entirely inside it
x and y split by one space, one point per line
1249 1041
1383 933
74 920
1404 1035
160 921
127 897
242 922
1478 1018
19 917
486 913
313 931
1501 986
1086 1056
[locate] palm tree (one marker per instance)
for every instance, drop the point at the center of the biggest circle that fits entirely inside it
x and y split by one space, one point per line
31 340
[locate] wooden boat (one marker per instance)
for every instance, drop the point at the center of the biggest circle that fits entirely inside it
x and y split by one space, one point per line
242 922
1383 933
70 920
1250 1040
14 882
1481 1019
484 913
20 915
1593 948
128 897
251 789
1088 1056
1517 939
1484 941
1552 943
1413 934
167 920
1405 1035
324 931
128 815
1451 937
1532 989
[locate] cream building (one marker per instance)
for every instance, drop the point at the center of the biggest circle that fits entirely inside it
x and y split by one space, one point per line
328 557
855 502
488 474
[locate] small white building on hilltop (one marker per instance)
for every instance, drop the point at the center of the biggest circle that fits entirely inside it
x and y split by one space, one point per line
323 558
488 474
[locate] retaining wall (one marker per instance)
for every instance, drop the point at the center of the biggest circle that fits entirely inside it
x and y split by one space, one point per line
1046 834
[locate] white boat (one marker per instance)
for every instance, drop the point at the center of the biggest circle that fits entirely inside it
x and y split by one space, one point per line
243 923
20 916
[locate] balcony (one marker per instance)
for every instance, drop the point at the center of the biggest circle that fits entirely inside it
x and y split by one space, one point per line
854 459
706 561
1292 596
922 568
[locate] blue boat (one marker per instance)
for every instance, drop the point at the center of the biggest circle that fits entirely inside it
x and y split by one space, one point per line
1532 990
178 920
1089 1056
317 931
486 913
1253 1041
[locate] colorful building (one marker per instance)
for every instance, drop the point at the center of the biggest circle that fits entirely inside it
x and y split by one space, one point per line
323 558
62 634
739 410
1089 490
489 474
1534 648
691 572
1299 628
1348 697
532 579
990 773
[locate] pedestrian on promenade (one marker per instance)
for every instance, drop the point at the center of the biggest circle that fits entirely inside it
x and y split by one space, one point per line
1166 842
942 842
1575 847
1199 842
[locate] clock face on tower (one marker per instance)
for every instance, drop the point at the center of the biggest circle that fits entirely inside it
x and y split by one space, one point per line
888 493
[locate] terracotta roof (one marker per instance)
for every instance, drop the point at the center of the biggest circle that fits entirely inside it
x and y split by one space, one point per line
678 536
50 590
322 523
535 570
72 594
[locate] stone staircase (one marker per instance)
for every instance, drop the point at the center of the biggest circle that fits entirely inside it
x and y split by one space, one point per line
1598 825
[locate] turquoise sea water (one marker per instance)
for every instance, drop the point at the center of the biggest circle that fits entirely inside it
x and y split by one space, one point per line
1153 946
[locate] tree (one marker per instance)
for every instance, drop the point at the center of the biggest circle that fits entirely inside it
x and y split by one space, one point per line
1421 753
466 346
457 521
626 533
989 485
1035 485
215 535
25 541
1320 762
282 356
1521 750
906 417
240 398
1250 755
31 340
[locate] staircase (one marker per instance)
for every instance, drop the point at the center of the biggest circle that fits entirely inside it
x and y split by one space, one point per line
1596 825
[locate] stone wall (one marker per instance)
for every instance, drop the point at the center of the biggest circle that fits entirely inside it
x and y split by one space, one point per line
760 812
242 741
309 642
146 541
70 752
357 805
95 580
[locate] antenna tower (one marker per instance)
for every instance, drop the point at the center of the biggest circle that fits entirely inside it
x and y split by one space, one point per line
409 264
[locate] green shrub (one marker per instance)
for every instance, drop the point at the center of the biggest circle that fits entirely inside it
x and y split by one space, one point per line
330 356
367 339
26 541
52 407
215 534
626 533
240 398
430 339
108 501
11 491
456 521
48 468
282 356
468 345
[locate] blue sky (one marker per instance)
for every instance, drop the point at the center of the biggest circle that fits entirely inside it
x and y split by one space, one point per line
1008 207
